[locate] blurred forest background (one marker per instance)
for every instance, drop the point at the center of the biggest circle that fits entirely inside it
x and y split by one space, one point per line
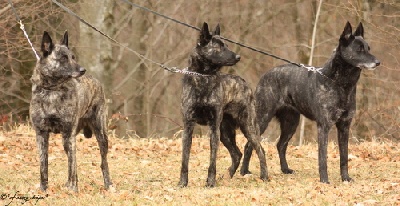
145 99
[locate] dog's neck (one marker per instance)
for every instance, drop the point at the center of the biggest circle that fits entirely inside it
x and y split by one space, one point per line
202 66
340 71
40 82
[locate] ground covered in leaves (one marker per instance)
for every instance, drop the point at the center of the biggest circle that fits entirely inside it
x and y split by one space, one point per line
146 172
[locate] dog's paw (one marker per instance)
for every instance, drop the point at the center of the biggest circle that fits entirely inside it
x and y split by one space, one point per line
347 179
325 181
210 184
111 189
245 172
42 187
288 171
71 186
264 178
182 184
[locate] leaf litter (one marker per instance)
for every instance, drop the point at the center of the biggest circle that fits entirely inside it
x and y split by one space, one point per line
146 172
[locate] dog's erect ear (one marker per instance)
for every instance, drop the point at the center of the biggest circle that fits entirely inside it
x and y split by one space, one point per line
205 35
64 40
347 35
217 30
47 44
359 31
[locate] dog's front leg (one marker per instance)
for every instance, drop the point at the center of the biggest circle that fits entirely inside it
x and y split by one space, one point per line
214 142
343 139
42 141
69 142
322 152
186 145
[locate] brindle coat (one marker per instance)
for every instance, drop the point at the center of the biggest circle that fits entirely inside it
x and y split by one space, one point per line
221 101
66 101
329 99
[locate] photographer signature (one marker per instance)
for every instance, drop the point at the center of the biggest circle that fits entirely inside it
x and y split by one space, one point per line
23 198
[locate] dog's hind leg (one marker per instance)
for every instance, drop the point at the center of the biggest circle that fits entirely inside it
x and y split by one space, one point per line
248 150
186 145
255 140
289 120
228 138
42 141
250 130
102 139
343 139
69 143
264 114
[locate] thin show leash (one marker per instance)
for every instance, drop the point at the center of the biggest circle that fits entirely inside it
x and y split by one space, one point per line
170 69
309 68
22 27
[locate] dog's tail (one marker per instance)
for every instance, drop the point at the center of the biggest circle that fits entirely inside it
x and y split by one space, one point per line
87 132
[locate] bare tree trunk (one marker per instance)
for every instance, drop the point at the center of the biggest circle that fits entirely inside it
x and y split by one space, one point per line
310 61
95 51
140 27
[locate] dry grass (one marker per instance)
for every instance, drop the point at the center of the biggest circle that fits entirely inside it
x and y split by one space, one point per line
146 172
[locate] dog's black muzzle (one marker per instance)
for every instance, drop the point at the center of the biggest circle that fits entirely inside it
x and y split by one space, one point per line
237 57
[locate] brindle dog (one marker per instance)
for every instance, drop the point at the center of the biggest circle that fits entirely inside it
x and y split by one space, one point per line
66 101
329 99
221 101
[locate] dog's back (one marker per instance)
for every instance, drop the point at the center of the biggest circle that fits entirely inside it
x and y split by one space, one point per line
292 87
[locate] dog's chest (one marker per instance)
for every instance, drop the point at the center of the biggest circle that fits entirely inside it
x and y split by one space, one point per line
217 93
335 103
202 92
59 104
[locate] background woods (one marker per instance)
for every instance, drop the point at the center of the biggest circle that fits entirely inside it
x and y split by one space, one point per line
145 99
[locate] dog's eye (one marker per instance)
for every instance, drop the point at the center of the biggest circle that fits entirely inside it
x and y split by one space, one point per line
73 57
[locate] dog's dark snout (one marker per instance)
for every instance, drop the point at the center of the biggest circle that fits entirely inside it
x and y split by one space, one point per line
82 70
377 62
237 57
